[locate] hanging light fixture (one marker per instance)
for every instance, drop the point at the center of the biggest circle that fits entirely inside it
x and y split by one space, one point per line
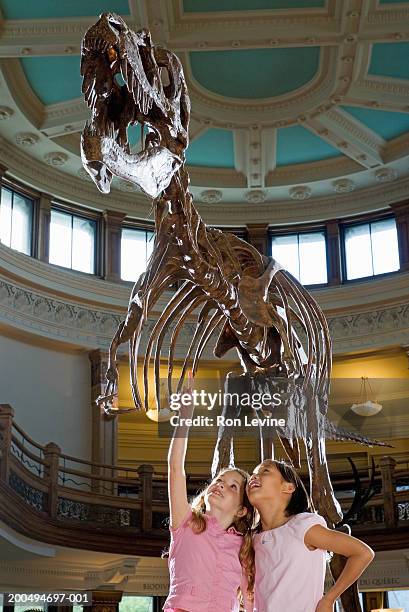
164 414
366 406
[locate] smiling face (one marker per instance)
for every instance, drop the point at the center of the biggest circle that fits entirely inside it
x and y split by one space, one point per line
266 484
225 493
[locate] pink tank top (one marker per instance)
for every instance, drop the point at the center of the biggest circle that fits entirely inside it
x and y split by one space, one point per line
205 571
289 576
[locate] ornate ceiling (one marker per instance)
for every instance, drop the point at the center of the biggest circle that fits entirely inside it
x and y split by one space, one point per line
292 100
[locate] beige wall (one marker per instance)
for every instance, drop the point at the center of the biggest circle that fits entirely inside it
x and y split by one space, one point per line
50 393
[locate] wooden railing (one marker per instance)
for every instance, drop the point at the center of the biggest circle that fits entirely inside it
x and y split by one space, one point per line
69 500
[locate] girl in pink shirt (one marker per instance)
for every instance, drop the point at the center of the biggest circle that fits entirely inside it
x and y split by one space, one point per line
211 540
290 545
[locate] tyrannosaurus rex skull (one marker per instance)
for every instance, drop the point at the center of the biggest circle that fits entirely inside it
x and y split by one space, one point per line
127 80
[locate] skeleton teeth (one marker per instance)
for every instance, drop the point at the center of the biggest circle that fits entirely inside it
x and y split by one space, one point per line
130 81
124 69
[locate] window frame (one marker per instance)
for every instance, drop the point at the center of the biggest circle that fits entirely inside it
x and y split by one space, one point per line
34 196
357 222
88 215
304 229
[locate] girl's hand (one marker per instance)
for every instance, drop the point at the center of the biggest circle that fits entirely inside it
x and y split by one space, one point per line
186 407
325 605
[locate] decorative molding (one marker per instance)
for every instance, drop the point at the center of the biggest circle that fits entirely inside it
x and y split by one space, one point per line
301 192
386 175
211 196
267 111
345 37
5 112
256 196
55 158
82 311
26 139
343 186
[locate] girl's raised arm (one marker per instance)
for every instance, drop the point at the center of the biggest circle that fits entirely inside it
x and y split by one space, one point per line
178 503
358 554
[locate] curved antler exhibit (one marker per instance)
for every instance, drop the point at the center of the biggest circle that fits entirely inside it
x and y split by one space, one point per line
262 311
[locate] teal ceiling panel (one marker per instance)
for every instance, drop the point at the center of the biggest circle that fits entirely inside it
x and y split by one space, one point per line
386 124
52 9
390 59
297 145
255 73
53 79
214 149
207 6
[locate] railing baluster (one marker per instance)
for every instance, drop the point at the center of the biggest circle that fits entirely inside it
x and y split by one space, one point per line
145 472
6 424
387 467
52 458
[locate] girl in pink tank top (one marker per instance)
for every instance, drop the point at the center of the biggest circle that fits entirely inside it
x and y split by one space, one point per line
211 556
290 544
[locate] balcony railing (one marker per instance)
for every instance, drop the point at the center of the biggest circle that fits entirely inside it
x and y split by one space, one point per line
65 498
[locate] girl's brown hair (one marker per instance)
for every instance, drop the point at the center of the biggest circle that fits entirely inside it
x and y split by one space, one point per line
299 501
242 524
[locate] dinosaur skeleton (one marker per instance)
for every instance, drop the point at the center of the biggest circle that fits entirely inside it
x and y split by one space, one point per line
254 303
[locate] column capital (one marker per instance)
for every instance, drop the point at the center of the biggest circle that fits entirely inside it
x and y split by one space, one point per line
113 217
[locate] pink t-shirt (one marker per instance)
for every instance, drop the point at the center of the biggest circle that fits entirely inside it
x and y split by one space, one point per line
289 576
205 570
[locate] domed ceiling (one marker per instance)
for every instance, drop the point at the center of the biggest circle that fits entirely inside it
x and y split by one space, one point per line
291 99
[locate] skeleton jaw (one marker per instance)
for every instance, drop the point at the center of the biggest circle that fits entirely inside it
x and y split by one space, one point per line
152 169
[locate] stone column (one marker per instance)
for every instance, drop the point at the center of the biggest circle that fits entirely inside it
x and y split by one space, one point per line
112 245
258 236
104 601
387 467
43 233
104 427
333 253
401 210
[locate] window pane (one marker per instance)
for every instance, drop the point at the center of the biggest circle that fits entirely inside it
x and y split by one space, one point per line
358 254
136 604
60 239
398 599
385 246
150 239
313 258
285 250
21 224
83 245
5 217
135 250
